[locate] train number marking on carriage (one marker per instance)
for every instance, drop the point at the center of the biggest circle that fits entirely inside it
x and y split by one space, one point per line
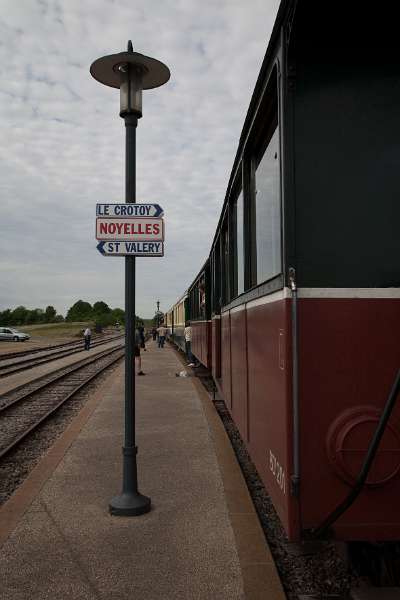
282 349
130 229
277 471
129 210
131 248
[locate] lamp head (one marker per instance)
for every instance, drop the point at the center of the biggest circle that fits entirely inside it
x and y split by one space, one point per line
131 72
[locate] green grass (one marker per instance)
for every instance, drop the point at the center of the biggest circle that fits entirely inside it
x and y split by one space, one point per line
62 330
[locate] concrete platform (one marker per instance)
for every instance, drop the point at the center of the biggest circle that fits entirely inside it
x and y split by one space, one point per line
201 540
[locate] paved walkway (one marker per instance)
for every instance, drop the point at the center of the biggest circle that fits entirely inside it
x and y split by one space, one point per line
201 539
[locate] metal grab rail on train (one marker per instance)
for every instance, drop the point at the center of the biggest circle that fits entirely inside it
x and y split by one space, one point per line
372 449
295 479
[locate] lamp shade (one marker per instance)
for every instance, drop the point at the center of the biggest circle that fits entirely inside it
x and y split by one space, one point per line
106 69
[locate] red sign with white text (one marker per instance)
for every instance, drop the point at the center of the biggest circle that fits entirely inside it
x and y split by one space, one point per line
130 229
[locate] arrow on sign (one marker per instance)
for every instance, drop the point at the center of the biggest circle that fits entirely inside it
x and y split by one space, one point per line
158 211
100 248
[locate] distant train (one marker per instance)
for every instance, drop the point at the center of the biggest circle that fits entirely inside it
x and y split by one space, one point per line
296 312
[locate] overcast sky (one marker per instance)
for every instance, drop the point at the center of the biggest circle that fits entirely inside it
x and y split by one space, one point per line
62 141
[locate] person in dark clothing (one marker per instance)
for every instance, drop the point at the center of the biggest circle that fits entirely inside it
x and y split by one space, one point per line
142 339
138 360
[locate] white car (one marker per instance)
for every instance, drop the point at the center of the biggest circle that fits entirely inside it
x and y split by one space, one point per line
12 335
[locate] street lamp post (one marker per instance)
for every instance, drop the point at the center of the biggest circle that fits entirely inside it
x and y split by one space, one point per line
131 72
158 313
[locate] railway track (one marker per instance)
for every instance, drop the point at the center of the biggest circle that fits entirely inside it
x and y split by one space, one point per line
95 337
8 367
24 410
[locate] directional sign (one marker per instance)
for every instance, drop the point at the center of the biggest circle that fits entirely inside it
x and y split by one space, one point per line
129 210
130 229
131 248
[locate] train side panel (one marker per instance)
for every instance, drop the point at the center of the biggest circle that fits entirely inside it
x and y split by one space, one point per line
270 414
270 403
239 368
349 356
256 383
216 347
226 358
201 342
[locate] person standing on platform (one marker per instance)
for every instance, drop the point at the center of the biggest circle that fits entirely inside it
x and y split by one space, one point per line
142 340
188 344
87 334
138 360
161 335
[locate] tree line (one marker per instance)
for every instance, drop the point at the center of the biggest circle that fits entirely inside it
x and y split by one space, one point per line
100 313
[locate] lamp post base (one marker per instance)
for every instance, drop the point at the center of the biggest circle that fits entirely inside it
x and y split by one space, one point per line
129 504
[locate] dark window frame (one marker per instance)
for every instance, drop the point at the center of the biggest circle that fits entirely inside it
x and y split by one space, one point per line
238 191
201 311
215 267
257 143
225 262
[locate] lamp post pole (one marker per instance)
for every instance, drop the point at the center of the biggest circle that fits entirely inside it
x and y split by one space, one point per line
131 72
158 313
131 502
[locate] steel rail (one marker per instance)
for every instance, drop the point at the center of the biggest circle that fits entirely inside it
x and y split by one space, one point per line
31 363
9 355
75 367
37 380
53 409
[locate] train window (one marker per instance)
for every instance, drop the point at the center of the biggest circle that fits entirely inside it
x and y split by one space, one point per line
196 302
239 245
216 278
212 269
202 297
225 264
268 211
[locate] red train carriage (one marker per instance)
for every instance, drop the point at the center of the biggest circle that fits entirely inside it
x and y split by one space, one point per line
304 272
199 312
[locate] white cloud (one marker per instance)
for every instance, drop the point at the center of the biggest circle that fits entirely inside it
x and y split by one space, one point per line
62 147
